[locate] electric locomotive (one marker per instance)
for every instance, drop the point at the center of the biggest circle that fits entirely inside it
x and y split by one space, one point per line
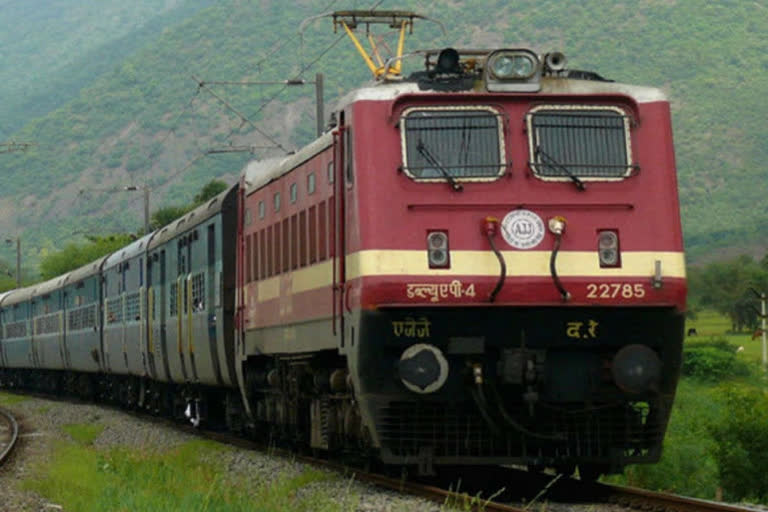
481 263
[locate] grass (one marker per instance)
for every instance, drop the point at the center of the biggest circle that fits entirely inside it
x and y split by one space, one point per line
10 399
84 433
83 478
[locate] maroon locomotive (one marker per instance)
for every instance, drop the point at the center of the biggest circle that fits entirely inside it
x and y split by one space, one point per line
480 263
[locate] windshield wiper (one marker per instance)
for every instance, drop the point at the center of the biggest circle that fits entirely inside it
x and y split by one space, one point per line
430 158
576 181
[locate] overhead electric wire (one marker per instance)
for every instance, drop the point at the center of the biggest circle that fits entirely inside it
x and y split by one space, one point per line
243 119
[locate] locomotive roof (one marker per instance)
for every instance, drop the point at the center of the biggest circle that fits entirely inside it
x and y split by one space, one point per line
387 91
260 172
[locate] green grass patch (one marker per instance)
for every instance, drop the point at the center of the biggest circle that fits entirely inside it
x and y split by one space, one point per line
84 433
11 399
80 477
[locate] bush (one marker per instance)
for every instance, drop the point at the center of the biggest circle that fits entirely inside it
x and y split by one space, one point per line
713 361
742 442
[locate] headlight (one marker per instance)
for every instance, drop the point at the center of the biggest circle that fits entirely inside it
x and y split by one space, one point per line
608 248
437 249
513 70
505 67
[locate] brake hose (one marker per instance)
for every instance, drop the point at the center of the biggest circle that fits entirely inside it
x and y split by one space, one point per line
557 227
489 227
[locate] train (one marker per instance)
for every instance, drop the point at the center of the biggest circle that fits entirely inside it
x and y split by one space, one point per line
480 263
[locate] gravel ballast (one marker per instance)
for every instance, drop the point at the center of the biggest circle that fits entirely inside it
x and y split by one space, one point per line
42 421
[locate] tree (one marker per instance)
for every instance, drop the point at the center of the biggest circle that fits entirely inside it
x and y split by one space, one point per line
74 255
209 191
164 216
724 286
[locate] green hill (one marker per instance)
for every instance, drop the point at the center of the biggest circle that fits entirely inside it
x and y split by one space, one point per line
110 101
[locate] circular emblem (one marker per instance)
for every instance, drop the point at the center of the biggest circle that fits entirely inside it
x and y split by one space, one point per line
522 229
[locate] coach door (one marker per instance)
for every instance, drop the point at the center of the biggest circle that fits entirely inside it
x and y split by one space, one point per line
159 315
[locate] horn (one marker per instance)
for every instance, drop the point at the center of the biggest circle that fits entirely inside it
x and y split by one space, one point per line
555 61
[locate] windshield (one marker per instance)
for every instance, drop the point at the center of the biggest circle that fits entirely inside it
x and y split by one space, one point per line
446 143
571 142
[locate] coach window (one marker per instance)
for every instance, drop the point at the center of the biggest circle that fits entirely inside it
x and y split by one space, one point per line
294 190
330 171
579 142
277 201
262 210
311 183
452 143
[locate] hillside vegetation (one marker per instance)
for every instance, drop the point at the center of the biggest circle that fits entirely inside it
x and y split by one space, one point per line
108 97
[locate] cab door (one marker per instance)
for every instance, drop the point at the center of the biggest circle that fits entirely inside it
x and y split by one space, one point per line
339 232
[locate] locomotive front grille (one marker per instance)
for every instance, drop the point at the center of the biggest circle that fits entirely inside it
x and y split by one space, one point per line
458 430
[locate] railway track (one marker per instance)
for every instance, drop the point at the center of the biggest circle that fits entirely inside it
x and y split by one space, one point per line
488 489
9 434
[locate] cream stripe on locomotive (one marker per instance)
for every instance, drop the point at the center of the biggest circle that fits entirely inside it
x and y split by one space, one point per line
372 263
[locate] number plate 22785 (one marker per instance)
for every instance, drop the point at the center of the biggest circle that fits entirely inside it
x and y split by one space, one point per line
615 291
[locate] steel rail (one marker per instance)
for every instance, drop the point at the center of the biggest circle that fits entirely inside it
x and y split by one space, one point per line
641 499
12 426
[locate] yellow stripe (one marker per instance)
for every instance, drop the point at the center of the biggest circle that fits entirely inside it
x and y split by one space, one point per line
375 263
519 263
270 288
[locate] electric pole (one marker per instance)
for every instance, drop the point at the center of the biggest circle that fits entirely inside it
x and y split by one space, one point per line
763 316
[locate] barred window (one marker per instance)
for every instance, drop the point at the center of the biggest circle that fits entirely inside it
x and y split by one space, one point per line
579 141
463 143
173 299
133 306
48 324
198 292
16 330
114 310
82 318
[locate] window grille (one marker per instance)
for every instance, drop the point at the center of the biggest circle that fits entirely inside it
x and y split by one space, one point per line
463 143
198 292
582 142
133 306
115 310
16 330
47 324
82 318
173 299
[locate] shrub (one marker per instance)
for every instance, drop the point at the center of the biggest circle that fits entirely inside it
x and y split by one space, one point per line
713 361
742 442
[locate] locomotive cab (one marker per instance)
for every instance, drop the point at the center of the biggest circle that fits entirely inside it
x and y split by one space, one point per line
517 280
